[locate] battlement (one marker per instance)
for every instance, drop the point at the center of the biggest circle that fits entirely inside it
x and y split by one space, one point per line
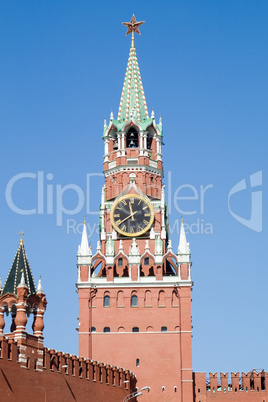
225 386
56 373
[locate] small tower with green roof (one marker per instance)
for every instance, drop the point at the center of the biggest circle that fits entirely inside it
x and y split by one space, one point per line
20 298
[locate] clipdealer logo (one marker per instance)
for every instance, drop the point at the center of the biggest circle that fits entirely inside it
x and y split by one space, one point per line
187 200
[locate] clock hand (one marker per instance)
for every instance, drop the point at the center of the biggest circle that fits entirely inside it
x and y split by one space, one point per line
130 207
128 217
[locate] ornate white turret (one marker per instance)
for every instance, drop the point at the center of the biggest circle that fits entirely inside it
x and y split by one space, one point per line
121 248
109 247
134 253
84 253
152 114
183 249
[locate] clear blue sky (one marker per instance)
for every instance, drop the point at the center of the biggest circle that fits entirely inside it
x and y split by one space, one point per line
204 69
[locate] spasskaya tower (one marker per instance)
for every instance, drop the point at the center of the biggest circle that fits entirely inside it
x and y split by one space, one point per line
134 291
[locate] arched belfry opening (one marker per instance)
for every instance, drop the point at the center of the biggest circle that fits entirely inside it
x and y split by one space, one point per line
132 138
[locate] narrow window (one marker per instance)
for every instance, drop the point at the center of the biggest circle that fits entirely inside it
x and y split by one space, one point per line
175 389
93 329
120 262
146 261
137 362
134 301
106 301
199 390
135 329
163 389
106 329
163 329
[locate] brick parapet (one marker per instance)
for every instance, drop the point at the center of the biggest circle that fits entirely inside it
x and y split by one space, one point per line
232 386
77 371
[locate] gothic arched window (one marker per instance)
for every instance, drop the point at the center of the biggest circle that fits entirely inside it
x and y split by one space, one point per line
134 301
106 301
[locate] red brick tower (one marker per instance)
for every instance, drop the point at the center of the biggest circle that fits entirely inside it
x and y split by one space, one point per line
135 292
20 298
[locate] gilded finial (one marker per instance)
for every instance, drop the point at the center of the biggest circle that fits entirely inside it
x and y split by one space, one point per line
84 219
21 234
133 26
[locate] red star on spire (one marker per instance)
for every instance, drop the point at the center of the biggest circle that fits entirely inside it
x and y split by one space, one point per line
133 25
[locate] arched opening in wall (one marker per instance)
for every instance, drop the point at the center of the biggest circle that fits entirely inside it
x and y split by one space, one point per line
146 267
93 329
134 300
121 329
106 300
149 329
161 299
163 329
132 138
137 362
148 299
175 298
170 266
149 141
98 268
135 329
10 312
115 143
120 299
35 364
121 267
177 329
175 389
106 329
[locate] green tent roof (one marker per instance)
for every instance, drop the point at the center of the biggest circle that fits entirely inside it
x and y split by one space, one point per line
19 264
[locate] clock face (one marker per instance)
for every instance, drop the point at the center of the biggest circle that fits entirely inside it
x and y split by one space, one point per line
132 215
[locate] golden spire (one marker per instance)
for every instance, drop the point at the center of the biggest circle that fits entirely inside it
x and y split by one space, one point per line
21 234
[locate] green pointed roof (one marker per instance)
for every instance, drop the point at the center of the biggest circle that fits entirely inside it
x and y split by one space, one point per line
132 93
19 264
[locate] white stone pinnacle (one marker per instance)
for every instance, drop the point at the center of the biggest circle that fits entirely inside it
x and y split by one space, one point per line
39 287
84 247
183 245
22 280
